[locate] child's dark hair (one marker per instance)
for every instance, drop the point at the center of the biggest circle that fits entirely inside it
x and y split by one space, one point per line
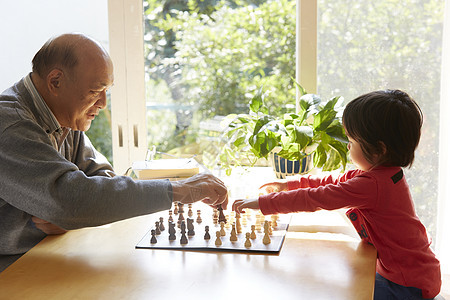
385 123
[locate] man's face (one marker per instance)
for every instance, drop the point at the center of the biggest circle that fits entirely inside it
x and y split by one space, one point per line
84 93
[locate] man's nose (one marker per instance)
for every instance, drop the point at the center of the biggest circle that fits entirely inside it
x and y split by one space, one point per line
101 102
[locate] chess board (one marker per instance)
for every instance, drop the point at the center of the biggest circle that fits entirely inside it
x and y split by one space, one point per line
198 241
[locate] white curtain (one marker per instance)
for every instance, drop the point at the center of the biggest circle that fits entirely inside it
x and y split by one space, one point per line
443 222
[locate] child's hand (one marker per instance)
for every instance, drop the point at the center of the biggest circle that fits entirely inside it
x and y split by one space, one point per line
274 187
241 204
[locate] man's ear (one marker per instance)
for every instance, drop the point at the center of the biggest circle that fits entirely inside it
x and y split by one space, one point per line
54 81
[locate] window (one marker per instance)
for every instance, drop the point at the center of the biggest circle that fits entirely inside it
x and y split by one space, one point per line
361 46
205 60
373 45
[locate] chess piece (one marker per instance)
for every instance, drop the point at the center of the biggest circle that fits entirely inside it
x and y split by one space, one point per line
222 229
258 225
190 227
170 216
190 213
172 236
253 234
157 230
183 239
207 236
218 240
180 208
161 225
153 239
227 223
215 216
244 220
199 218
266 238
180 218
274 220
233 236
238 223
247 243
221 216
175 209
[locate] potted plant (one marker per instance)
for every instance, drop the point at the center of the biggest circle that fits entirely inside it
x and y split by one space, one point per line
314 134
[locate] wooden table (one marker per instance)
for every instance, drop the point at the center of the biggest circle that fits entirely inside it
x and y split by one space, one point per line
317 261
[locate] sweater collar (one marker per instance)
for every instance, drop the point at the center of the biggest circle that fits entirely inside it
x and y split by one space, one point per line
51 124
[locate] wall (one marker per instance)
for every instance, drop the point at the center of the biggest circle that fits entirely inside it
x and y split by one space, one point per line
25 25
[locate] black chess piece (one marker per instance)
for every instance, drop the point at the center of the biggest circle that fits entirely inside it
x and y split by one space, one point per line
222 217
207 235
190 227
183 240
161 225
172 236
157 230
153 239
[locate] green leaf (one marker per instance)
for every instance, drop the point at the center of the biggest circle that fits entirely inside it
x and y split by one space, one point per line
301 135
341 149
263 143
301 90
332 103
337 132
292 152
320 156
261 122
332 163
309 102
323 119
257 102
240 141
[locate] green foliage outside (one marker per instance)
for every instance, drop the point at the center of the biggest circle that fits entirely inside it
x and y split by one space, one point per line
100 133
214 60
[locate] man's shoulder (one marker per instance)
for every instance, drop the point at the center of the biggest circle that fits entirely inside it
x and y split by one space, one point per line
13 106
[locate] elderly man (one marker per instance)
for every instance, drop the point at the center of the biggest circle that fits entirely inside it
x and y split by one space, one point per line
52 178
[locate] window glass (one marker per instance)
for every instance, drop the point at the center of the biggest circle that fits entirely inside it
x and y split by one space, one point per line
206 59
372 45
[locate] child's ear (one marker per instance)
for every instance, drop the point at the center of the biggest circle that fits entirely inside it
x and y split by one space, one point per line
382 147
381 151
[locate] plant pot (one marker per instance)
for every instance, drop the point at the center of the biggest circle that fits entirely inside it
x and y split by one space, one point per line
284 167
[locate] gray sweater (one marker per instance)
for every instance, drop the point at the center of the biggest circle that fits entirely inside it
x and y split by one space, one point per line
56 174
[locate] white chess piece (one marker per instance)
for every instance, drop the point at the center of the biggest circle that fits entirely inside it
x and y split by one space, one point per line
247 243
266 238
218 240
233 236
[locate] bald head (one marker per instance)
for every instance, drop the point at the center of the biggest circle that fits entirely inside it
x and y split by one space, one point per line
72 73
66 52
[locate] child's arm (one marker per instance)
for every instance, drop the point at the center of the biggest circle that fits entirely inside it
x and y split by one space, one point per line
275 186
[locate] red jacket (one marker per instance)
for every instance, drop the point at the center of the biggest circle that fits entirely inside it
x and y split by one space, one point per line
381 210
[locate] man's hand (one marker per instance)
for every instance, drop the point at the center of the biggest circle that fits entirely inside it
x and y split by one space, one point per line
47 227
204 187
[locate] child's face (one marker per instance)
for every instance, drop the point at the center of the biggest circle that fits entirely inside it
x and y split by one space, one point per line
357 155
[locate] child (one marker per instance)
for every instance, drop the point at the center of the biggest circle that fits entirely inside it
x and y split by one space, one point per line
383 129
